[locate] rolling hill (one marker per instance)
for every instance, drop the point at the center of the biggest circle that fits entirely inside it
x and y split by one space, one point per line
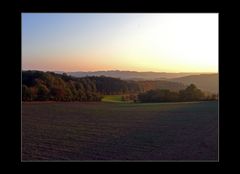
129 75
206 82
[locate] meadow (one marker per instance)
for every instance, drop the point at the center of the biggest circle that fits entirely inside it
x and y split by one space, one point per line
112 98
119 131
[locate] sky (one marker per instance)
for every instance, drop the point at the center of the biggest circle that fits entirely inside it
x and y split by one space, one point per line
161 42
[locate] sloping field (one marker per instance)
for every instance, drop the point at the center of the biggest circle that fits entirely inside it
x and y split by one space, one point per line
119 131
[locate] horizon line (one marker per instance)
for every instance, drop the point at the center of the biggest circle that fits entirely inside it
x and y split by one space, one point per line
116 70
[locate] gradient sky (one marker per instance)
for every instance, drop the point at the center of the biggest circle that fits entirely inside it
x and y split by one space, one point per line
160 42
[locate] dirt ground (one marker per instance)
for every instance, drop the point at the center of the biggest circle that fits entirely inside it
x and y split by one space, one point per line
119 131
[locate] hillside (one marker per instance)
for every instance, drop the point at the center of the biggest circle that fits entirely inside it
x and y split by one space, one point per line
129 75
39 85
160 84
206 82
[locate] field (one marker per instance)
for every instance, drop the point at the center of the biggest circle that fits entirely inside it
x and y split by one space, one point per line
112 98
119 131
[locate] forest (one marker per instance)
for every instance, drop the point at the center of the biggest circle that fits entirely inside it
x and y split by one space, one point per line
50 86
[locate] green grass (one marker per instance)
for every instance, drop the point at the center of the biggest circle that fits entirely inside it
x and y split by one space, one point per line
112 98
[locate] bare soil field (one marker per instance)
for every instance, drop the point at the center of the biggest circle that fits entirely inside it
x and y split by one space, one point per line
119 131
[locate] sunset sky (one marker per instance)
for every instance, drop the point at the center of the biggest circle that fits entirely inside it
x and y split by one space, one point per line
162 42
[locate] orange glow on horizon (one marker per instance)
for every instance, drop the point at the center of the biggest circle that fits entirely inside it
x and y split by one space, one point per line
132 42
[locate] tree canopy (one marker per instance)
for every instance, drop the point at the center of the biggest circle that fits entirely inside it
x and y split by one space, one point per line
42 86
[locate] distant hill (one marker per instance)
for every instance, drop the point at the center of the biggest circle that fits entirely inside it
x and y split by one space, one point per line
147 85
206 82
130 75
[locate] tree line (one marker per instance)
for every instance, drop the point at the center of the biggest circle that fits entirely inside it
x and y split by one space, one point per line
190 93
43 86
49 86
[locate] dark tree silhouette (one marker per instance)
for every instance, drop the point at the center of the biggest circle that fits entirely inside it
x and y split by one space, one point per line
191 93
